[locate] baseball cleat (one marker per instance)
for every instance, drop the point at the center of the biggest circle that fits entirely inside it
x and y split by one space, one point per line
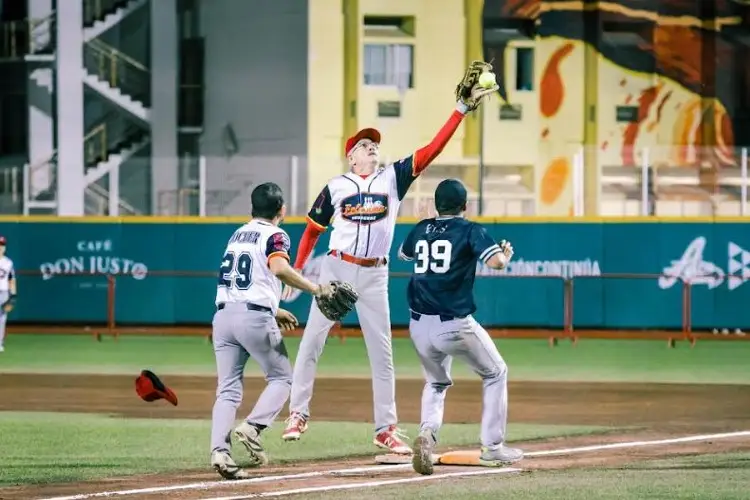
2 349
225 465
296 425
391 439
421 460
499 456
249 436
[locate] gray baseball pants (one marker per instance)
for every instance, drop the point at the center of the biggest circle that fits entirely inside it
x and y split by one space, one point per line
239 334
437 342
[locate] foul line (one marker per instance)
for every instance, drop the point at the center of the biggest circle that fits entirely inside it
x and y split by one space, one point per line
636 444
206 485
368 484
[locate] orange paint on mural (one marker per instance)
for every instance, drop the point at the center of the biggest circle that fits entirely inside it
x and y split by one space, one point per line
552 88
554 180
645 101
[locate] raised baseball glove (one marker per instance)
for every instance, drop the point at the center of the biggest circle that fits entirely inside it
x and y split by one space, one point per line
468 90
338 301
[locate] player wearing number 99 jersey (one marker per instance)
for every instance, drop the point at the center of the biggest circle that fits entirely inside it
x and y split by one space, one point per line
445 250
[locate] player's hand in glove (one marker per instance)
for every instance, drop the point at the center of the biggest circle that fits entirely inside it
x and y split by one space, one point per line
468 90
336 299
286 320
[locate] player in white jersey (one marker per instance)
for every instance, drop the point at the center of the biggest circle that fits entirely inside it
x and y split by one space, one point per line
362 206
246 324
8 289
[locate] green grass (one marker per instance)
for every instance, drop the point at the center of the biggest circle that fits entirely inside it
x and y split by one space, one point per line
58 447
706 477
602 360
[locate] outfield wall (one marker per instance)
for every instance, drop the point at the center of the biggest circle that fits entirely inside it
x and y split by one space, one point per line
166 272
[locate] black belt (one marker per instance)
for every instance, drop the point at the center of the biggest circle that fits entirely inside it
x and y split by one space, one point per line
443 317
250 307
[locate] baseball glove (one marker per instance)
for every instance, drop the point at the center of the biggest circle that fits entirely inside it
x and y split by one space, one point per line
468 90
339 301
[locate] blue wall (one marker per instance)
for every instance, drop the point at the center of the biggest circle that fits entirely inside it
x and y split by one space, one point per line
582 251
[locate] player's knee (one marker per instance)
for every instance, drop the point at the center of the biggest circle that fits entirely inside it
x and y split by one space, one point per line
498 371
282 377
441 386
230 394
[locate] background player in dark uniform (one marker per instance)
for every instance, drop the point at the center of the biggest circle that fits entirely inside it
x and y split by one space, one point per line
445 250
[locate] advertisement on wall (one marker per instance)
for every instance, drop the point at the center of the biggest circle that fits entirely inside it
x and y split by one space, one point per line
623 275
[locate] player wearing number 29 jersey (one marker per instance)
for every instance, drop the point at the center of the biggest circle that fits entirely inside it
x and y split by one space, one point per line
244 274
246 325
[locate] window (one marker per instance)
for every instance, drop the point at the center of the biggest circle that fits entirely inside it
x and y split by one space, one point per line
389 65
524 68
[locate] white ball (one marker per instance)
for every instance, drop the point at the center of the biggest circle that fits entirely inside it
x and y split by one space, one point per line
487 79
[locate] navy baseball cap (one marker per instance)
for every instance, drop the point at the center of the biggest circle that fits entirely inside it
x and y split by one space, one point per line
449 195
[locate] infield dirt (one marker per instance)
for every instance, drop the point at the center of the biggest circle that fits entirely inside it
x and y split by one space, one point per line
655 411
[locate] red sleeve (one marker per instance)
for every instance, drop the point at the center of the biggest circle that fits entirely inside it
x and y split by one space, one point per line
425 155
307 243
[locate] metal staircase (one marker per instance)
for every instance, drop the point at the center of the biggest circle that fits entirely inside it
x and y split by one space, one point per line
118 78
101 15
122 82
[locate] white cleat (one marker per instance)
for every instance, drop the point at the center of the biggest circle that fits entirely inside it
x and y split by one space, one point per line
249 436
225 465
499 456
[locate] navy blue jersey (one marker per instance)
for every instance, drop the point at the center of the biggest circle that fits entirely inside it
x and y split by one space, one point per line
445 251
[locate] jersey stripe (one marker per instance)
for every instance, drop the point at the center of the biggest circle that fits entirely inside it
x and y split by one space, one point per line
483 255
277 254
359 192
319 226
488 257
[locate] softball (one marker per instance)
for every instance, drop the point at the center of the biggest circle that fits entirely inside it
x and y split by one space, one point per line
487 79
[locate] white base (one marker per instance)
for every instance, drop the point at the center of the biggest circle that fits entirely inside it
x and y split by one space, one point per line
395 459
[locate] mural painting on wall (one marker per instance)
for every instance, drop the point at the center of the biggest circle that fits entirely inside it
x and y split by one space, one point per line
675 65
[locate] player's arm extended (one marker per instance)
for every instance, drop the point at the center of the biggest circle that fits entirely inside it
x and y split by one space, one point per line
426 154
279 265
408 169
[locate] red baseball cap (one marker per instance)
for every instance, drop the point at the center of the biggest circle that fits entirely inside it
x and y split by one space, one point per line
149 387
2 240
365 133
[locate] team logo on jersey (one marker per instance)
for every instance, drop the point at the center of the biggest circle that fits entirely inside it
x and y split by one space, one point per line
365 208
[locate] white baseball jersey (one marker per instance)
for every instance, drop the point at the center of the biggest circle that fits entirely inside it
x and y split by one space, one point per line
7 273
244 275
363 210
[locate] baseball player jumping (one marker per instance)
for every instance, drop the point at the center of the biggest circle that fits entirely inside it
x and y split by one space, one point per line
7 289
246 324
445 250
362 206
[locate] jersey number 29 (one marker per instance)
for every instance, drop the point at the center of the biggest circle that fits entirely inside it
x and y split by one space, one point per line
241 265
435 256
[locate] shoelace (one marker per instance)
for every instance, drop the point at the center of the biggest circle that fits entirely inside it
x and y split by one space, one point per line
298 420
397 435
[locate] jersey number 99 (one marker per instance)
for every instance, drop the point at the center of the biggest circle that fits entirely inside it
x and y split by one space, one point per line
241 266
435 256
